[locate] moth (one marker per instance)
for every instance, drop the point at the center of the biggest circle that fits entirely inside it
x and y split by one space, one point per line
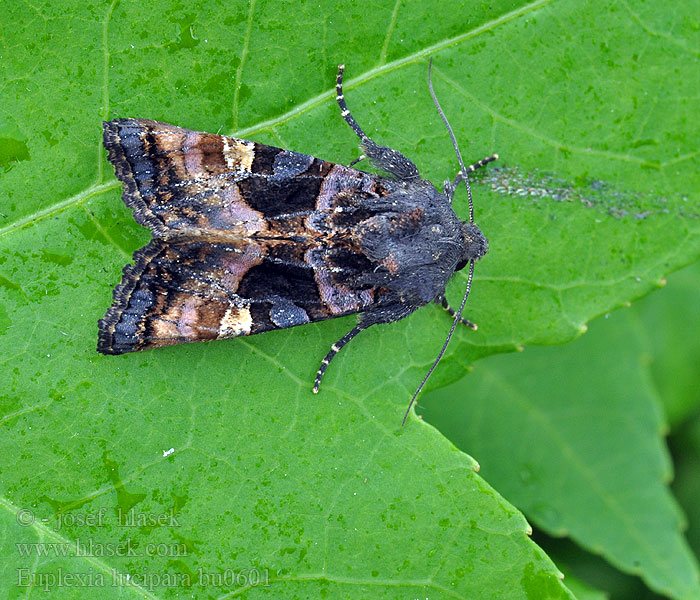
247 238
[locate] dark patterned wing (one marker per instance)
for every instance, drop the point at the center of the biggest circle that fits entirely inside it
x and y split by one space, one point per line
247 238
195 291
179 181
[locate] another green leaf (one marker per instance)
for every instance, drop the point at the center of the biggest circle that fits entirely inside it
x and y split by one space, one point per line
572 436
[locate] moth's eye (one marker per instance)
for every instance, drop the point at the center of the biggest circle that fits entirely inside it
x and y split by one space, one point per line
461 264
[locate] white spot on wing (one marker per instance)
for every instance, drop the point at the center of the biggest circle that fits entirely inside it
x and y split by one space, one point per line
227 154
236 321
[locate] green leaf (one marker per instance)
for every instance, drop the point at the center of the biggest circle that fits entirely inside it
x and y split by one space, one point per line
572 436
583 591
580 566
687 483
669 326
326 494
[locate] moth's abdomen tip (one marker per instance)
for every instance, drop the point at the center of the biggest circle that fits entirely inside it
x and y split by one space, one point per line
315 390
495 156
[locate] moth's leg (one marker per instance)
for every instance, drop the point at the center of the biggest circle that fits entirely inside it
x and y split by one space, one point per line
446 305
470 169
383 157
357 160
344 111
449 187
335 348
384 314
481 163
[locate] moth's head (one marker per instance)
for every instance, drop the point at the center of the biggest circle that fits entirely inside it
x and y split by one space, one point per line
474 246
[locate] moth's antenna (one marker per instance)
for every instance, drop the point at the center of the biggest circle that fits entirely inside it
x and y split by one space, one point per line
463 175
458 316
463 171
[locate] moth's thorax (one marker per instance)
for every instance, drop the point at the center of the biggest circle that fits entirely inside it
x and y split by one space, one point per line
413 240
472 241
